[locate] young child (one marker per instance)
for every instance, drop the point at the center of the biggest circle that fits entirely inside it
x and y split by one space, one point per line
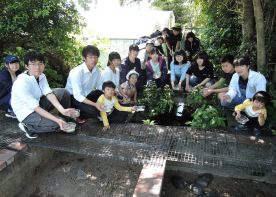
117 115
255 111
8 76
129 87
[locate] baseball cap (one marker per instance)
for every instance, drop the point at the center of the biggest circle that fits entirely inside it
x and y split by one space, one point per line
11 58
150 42
131 72
133 47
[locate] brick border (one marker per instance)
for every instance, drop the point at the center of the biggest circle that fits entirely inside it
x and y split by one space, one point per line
150 181
7 156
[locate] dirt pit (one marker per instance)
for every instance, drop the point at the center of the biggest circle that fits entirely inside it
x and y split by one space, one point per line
102 177
221 186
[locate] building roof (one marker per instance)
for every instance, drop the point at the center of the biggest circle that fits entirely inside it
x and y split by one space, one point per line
130 23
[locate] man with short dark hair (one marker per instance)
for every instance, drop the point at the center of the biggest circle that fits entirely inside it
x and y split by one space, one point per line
81 83
143 55
32 99
173 43
131 63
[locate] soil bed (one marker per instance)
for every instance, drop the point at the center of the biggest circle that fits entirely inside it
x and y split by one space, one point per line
221 186
59 177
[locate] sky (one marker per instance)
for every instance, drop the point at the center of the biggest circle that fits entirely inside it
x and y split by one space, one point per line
131 21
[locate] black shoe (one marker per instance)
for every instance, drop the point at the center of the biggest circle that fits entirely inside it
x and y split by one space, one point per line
10 115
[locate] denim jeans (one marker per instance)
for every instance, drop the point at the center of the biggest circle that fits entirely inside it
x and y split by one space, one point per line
196 80
235 101
183 84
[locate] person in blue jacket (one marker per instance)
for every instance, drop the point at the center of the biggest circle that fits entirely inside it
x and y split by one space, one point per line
179 68
156 69
8 76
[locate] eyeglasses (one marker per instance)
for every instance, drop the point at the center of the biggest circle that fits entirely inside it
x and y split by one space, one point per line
178 56
37 64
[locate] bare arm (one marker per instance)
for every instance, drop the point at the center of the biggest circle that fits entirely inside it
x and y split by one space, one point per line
135 95
218 83
121 90
177 46
53 99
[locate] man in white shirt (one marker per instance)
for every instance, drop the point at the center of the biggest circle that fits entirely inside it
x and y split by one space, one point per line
81 83
32 99
143 55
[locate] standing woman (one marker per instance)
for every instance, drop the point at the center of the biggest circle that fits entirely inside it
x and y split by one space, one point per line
192 45
179 68
8 76
203 72
112 73
156 69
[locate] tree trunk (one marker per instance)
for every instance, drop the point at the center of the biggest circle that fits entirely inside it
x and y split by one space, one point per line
261 57
247 19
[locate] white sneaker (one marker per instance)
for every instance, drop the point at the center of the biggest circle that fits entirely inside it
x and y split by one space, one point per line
23 128
100 118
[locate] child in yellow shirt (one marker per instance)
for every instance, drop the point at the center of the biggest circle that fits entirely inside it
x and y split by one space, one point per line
255 111
111 115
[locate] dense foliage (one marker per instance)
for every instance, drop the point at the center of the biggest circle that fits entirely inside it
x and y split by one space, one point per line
45 26
156 100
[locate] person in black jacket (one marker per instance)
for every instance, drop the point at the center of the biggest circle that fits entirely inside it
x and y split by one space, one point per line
173 43
8 75
202 70
132 63
192 46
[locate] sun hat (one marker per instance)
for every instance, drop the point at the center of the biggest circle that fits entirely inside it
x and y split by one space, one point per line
131 72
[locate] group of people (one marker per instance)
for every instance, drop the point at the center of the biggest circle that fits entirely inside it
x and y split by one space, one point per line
28 97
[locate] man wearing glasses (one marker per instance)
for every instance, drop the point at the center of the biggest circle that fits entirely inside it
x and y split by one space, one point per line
81 83
32 99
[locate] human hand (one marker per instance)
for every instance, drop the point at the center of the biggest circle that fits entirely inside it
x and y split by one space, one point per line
171 52
203 90
179 85
262 115
106 127
67 112
172 85
238 115
125 97
187 87
207 92
134 108
194 88
246 100
98 106
224 97
116 93
61 123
